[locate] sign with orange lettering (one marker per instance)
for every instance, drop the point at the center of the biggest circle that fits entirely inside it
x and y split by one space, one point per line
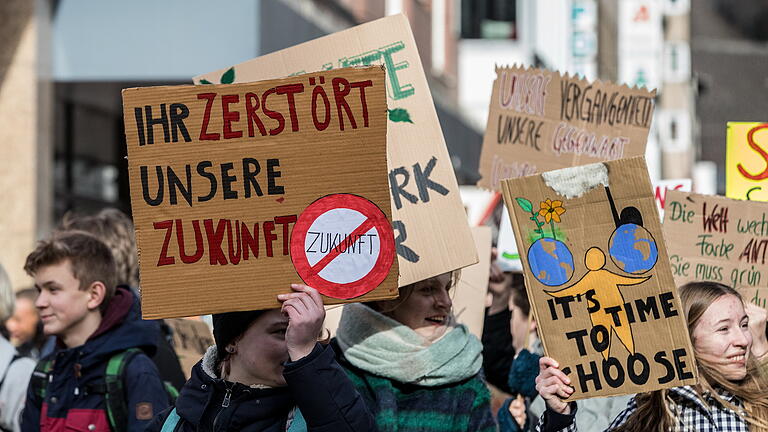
746 161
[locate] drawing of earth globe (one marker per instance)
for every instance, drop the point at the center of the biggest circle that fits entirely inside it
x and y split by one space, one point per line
551 261
633 249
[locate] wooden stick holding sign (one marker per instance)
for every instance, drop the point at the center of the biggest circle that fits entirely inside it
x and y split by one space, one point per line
599 279
221 177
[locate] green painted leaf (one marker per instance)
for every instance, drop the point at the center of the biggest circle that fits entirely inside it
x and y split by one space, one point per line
229 76
525 204
510 256
399 115
205 81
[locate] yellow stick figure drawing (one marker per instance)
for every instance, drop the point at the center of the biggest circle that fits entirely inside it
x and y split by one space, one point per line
606 292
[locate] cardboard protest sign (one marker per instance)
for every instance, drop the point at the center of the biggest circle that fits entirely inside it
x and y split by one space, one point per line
508 256
599 279
746 161
470 292
713 238
221 177
427 211
190 341
661 187
540 121
333 318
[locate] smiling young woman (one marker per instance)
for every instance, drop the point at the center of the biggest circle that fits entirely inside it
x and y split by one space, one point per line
731 395
414 366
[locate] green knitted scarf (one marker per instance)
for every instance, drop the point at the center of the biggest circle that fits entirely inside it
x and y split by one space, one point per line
382 346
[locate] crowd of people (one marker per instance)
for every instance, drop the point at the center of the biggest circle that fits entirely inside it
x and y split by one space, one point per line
76 355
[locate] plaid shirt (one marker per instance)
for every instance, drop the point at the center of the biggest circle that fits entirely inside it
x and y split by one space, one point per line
692 413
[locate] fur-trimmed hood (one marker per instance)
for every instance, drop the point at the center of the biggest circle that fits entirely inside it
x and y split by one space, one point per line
203 395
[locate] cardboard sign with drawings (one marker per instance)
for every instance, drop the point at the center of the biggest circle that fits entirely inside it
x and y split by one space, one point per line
221 176
427 211
598 277
539 120
718 239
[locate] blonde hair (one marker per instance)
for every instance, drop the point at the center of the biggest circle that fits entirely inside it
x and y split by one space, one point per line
7 298
115 229
388 306
655 410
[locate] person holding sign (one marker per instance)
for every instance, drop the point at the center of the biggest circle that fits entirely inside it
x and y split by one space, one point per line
416 369
730 397
268 373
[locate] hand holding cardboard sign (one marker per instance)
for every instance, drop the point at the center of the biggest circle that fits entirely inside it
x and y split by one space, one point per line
517 409
553 385
305 319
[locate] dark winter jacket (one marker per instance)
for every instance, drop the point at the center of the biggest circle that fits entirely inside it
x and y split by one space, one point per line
498 353
72 402
317 386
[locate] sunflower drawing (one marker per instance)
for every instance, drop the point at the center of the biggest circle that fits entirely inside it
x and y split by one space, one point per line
551 211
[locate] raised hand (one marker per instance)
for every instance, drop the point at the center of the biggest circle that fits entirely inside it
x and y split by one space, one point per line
304 308
553 385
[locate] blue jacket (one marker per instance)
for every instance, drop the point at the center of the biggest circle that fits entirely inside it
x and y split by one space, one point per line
72 404
316 385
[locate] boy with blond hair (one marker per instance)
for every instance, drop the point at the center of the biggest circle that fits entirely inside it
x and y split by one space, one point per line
101 378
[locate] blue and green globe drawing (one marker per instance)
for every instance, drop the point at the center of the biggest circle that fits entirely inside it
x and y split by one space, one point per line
633 249
551 261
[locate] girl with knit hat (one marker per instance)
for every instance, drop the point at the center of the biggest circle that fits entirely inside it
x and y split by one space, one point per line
267 372
415 367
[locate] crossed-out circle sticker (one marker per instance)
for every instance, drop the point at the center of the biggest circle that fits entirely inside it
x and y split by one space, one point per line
343 246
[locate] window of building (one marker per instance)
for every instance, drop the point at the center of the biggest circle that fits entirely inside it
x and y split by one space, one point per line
488 19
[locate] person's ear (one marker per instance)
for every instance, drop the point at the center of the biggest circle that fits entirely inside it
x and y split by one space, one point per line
231 348
533 326
96 293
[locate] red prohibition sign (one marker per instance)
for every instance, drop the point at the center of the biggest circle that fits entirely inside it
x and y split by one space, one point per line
339 228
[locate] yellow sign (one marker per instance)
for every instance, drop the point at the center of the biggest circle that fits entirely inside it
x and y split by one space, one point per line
746 161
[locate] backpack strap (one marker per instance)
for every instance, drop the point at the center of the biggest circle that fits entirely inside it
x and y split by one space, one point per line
170 423
114 395
41 377
171 391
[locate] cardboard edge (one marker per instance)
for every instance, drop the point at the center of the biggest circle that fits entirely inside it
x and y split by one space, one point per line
396 17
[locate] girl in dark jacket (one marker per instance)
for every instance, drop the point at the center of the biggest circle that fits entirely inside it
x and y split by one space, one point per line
267 372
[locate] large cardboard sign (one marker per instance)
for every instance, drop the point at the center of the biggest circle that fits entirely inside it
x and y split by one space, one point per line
540 121
220 178
661 187
191 339
470 292
599 278
746 161
713 238
431 231
508 256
